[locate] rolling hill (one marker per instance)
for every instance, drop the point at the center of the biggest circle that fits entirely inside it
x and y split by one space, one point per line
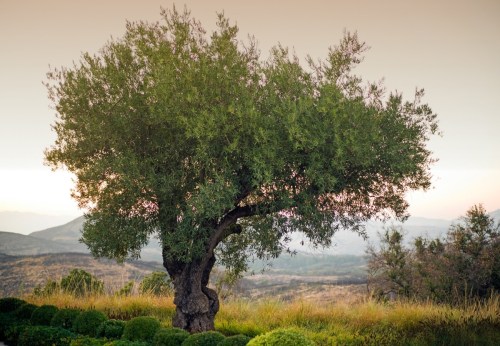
20 274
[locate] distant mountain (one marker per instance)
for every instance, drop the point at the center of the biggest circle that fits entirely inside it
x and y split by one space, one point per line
70 233
66 237
67 234
24 245
25 223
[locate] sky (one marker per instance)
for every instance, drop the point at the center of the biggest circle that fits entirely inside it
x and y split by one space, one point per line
451 48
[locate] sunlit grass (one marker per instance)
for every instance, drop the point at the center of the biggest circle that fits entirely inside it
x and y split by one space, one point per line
363 322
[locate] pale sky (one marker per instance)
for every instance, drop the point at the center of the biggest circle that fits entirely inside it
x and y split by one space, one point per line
451 48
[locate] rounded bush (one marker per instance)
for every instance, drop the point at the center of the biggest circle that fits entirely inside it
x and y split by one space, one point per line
127 343
13 332
281 337
65 318
141 328
235 340
87 341
6 321
43 315
25 311
87 322
170 337
111 329
204 339
43 335
10 304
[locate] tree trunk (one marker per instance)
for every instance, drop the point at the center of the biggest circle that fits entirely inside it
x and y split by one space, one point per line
196 304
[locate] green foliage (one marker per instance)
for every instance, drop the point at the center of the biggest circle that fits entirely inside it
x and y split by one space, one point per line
51 287
223 154
156 283
127 343
80 283
13 332
170 129
112 329
210 338
235 340
87 322
170 337
6 320
141 328
43 315
45 336
281 337
65 318
463 265
25 311
10 304
126 290
88 341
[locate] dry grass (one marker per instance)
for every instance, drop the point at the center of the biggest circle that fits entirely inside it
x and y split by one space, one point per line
359 322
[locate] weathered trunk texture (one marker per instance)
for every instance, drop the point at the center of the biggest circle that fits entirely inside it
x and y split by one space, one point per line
196 304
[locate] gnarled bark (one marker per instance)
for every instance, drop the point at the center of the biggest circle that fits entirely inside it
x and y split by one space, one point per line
196 304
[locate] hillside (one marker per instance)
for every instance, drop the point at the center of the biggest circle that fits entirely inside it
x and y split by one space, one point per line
23 245
22 273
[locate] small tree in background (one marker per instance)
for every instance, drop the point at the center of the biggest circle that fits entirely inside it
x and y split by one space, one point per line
390 267
462 265
80 283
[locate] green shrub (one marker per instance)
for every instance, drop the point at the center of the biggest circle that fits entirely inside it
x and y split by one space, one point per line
235 340
141 328
80 283
170 337
127 343
43 315
10 304
13 332
281 337
126 290
25 311
87 322
204 339
111 329
87 341
156 283
51 287
45 336
65 318
6 320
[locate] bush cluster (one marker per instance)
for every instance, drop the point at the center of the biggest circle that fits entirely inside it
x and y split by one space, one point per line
111 329
44 335
170 337
281 337
141 328
204 339
464 264
88 322
10 304
43 315
65 318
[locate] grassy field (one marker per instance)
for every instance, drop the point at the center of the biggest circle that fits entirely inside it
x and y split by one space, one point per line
345 322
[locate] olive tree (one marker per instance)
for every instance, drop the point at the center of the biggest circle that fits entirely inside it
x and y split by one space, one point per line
222 154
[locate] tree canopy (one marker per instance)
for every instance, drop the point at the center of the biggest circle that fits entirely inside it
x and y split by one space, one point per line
198 139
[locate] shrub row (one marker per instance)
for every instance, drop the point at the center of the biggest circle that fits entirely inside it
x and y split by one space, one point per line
22 323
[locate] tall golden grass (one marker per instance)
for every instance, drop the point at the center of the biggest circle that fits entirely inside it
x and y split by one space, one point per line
326 324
